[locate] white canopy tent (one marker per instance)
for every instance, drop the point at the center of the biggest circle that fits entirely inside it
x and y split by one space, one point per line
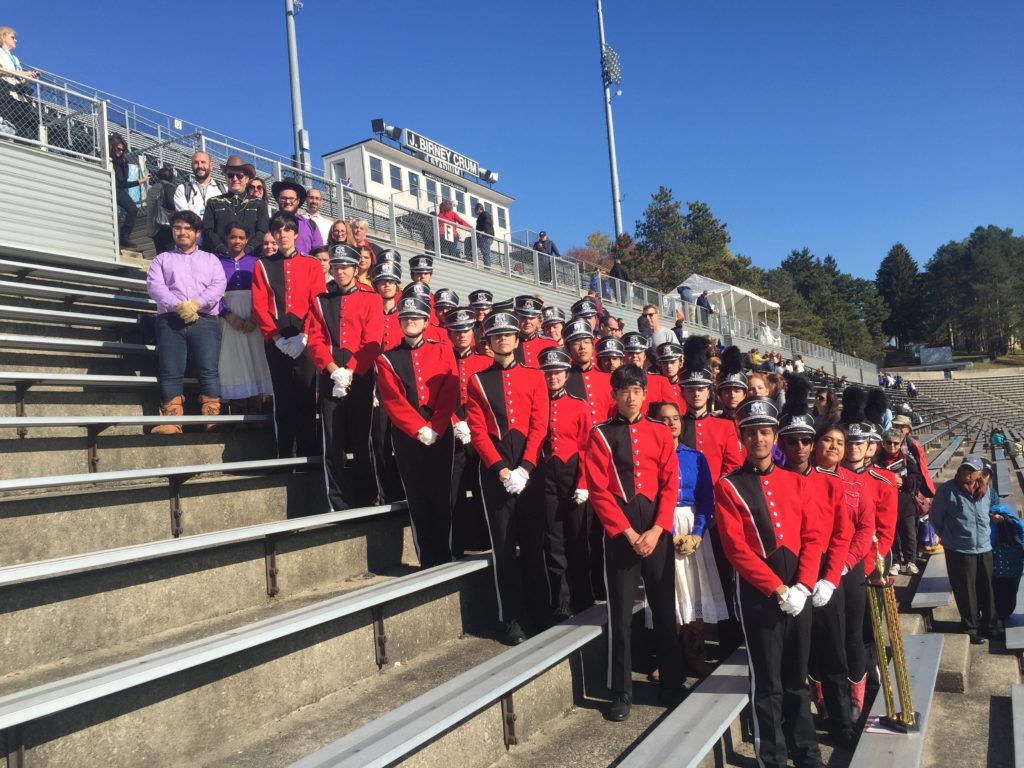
737 302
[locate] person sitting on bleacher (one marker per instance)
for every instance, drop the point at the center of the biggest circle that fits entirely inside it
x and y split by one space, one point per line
236 206
187 285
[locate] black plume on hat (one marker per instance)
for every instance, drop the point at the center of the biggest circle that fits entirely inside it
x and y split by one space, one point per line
732 361
854 399
797 390
876 406
696 353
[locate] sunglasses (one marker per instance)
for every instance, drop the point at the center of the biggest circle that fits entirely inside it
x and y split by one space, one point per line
798 440
256 187
892 442
235 175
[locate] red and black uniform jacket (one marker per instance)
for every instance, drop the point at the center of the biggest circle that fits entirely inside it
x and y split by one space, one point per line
828 496
392 329
675 393
661 390
593 386
345 327
716 439
860 506
626 459
886 511
436 329
530 347
769 533
569 425
507 413
418 386
467 365
284 288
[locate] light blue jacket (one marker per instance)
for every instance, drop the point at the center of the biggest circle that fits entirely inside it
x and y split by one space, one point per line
961 522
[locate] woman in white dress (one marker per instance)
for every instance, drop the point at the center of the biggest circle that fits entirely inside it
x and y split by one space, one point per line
244 373
699 594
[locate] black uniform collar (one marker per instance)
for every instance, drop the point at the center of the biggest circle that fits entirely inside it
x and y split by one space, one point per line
464 355
619 418
693 417
579 367
531 337
346 291
806 473
557 395
291 255
500 367
748 467
417 345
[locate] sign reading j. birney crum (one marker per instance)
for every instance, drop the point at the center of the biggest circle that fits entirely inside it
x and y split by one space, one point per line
440 156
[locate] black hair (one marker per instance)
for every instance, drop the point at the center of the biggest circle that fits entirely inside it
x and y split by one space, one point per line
284 220
629 376
315 252
236 225
166 173
188 217
654 408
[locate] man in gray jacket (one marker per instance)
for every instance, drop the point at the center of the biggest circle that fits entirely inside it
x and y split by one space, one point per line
960 516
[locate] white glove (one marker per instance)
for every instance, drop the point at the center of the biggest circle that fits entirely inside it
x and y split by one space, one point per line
294 346
339 391
581 496
846 569
283 345
516 482
461 432
342 377
794 599
823 591
427 436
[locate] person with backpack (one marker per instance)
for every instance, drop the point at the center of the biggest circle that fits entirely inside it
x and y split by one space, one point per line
192 195
160 206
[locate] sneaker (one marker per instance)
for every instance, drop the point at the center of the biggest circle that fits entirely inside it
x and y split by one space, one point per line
976 639
895 569
912 569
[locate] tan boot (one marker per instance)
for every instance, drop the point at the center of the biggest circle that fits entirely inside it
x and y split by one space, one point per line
209 406
173 407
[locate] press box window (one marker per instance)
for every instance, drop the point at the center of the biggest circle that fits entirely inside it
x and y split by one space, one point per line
414 184
489 208
446 192
431 191
460 201
396 178
502 222
473 203
376 170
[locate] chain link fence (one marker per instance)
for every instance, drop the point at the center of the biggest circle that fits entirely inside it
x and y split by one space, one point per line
49 116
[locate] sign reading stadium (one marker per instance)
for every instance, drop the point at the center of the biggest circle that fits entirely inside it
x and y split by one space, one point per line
439 155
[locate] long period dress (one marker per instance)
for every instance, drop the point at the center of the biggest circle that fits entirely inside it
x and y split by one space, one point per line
243 360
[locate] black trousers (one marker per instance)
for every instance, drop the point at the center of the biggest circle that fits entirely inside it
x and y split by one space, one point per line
1004 594
346 425
777 648
730 635
20 113
855 601
516 521
163 240
469 528
382 454
294 384
424 470
970 578
827 660
905 546
595 543
624 569
566 538
131 213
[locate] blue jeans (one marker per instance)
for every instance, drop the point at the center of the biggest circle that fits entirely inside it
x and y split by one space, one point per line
176 343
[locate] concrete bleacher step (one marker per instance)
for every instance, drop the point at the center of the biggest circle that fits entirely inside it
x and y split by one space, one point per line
156 595
178 704
38 526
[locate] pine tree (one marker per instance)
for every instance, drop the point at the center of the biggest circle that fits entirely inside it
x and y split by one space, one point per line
898 282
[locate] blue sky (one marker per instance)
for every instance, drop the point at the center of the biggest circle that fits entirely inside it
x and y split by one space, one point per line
842 127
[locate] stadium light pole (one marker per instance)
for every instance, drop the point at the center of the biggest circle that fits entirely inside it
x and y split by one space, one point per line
291 8
611 74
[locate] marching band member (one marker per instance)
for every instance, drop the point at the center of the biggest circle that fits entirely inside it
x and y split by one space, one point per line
552 323
771 537
345 328
610 354
386 276
469 529
419 389
632 474
731 383
658 389
507 413
527 311
670 362
560 472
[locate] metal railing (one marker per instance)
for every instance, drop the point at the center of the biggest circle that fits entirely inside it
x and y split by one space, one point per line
56 119
75 119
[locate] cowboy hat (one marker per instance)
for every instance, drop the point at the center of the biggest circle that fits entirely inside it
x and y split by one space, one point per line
235 163
279 186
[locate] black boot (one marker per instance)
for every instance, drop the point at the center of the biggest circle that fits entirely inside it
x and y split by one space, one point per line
619 710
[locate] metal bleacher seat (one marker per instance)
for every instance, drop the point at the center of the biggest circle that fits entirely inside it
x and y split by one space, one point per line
936 465
1018 725
57 344
933 590
402 731
876 749
75 295
63 566
25 706
686 735
61 317
63 273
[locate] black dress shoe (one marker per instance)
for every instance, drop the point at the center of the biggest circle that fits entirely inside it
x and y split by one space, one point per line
976 639
619 710
514 634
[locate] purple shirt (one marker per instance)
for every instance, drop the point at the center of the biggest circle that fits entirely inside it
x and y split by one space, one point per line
175 277
308 237
238 274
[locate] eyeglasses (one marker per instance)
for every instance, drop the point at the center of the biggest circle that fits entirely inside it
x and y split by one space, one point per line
235 175
256 187
798 441
892 442
283 199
